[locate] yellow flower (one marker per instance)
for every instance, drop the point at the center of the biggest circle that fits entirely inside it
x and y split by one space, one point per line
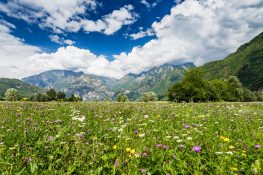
132 151
225 139
128 149
243 154
234 169
114 147
231 147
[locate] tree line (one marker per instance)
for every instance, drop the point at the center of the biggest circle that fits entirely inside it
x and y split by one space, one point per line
192 88
195 88
49 95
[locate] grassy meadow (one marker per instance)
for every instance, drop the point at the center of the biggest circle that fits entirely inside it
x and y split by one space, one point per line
131 138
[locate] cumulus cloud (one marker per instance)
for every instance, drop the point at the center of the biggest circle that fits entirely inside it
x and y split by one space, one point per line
68 15
13 51
70 58
112 22
60 40
197 31
194 31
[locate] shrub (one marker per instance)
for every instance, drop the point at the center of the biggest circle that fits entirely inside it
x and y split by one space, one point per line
11 95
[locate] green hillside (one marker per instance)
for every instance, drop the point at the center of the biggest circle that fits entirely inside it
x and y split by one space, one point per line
158 79
24 89
246 63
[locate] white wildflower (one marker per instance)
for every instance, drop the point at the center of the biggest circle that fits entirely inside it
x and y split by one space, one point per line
229 152
141 135
189 138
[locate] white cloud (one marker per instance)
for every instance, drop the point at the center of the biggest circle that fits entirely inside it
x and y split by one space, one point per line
7 24
13 51
150 5
142 34
60 40
69 58
194 31
111 23
67 15
197 31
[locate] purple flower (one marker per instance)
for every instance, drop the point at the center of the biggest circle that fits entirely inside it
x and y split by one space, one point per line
186 126
197 149
165 147
136 131
116 163
145 154
158 145
18 115
257 146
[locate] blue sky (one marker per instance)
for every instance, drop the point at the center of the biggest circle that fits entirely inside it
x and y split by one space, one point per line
115 37
98 43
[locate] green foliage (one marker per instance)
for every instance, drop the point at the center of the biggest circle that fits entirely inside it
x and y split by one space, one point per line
119 96
130 138
246 63
61 95
194 88
125 98
73 98
157 80
24 89
11 95
51 93
259 95
149 96
122 98
40 97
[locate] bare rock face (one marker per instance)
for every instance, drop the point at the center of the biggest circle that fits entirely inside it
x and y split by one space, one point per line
90 87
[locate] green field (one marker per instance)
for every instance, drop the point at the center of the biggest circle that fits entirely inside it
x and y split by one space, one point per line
131 138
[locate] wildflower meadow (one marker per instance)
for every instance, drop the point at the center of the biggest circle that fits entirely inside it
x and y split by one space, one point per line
131 138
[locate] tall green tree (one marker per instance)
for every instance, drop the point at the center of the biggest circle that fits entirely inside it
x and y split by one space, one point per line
193 87
119 96
235 88
61 95
122 98
51 93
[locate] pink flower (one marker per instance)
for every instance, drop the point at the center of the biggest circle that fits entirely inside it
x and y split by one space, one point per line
197 149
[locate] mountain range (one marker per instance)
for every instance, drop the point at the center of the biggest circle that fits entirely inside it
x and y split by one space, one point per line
92 87
246 63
